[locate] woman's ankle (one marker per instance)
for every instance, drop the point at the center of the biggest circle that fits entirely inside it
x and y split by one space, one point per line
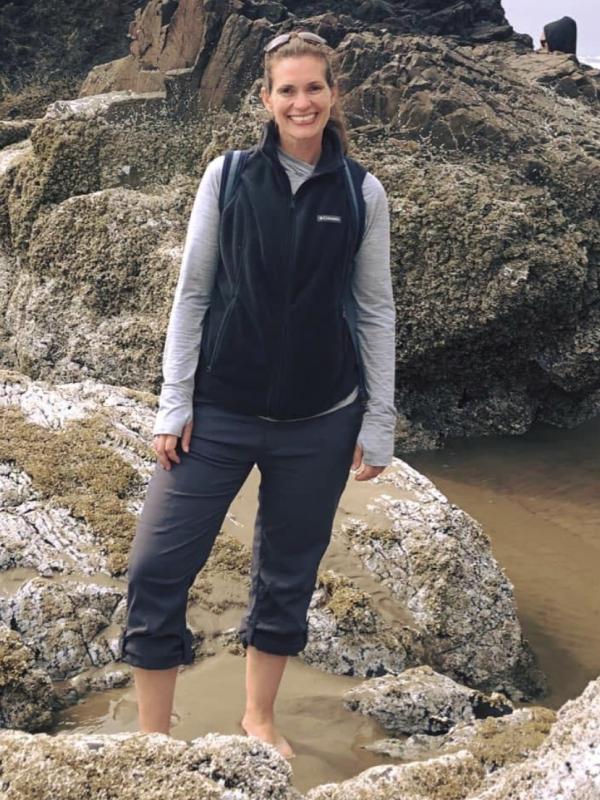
258 716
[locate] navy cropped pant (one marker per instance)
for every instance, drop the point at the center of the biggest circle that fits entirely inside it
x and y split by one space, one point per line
304 468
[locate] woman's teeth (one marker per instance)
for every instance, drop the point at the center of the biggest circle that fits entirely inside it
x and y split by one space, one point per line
303 117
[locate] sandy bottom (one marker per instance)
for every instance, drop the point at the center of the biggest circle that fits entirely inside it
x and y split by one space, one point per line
537 498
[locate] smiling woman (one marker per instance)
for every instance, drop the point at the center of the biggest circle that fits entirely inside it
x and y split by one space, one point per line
300 99
300 92
279 354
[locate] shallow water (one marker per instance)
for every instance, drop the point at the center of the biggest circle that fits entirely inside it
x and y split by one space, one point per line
537 498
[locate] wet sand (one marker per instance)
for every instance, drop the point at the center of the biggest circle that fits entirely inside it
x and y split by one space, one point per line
537 498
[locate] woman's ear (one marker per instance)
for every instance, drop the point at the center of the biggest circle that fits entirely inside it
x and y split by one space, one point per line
266 99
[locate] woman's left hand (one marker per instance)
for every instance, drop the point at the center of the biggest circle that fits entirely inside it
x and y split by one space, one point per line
364 472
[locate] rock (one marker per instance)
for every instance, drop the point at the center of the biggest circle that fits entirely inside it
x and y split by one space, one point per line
522 755
437 561
12 131
62 623
245 763
347 636
36 534
155 766
108 316
95 492
198 43
27 696
565 765
495 741
448 777
421 701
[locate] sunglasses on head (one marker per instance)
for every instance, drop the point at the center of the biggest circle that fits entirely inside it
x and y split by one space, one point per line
284 38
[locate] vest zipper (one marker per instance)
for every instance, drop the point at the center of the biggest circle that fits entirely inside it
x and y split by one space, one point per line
277 388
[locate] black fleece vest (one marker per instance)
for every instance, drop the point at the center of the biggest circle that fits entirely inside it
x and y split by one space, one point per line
275 339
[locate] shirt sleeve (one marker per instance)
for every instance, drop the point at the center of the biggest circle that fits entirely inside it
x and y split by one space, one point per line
376 326
191 301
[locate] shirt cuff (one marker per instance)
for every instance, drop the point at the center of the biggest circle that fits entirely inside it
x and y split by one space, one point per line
172 420
376 437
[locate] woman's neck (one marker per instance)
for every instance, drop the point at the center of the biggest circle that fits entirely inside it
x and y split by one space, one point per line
306 150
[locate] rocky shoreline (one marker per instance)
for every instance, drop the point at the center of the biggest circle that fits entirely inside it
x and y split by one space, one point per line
489 154
442 681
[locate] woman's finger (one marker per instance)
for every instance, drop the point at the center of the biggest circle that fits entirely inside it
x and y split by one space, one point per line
164 446
367 472
357 459
186 437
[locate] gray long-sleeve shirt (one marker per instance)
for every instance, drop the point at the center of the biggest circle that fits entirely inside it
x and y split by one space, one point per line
371 290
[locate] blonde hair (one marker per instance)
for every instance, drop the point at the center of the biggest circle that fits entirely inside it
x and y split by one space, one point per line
295 48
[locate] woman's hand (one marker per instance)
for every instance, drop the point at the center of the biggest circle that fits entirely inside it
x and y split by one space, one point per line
165 445
365 472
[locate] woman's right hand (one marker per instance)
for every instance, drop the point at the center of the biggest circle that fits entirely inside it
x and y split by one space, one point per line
165 445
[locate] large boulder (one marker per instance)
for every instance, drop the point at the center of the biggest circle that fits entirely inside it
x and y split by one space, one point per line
438 564
488 154
214 49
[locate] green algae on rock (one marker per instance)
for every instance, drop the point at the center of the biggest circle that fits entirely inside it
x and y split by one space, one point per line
351 608
73 468
451 777
348 636
26 692
65 623
131 766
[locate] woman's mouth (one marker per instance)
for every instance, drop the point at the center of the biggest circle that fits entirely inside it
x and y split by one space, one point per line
304 119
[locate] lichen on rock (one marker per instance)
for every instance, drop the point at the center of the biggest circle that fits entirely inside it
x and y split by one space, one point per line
348 636
27 696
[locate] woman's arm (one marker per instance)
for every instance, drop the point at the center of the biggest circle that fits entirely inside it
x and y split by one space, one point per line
191 301
375 326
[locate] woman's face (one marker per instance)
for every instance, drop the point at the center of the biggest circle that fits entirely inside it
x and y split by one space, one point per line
300 100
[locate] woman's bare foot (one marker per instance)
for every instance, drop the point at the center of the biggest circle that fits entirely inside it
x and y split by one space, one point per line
267 732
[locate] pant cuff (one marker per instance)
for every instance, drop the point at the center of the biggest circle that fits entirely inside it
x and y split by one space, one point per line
156 652
276 644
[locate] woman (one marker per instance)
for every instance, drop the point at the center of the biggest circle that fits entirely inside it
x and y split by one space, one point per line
260 368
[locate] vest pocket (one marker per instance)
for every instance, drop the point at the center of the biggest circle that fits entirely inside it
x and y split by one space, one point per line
220 333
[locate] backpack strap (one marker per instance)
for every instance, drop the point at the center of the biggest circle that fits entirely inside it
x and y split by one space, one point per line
354 174
235 161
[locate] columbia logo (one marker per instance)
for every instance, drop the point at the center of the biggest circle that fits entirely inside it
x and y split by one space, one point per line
328 218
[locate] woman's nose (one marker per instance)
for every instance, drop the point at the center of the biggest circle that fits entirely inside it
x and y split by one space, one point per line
302 101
